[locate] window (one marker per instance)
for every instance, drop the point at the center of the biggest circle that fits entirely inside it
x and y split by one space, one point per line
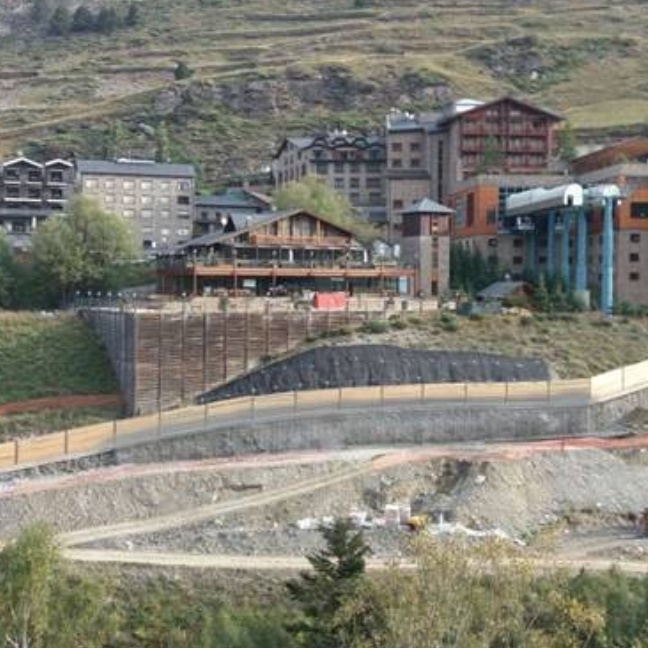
165 186
634 257
634 276
373 183
639 210
517 260
635 238
397 163
182 231
373 167
355 167
129 213
338 183
56 176
165 213
184 215
470 209
184 185
375 198
165 232
129 185
56 194
109 184
34 176
183 200
165 200
415 163
354 197
13 192
321 168
34 192
147 213
109 199
354 183
146 200
518 242
129 200
415 147
90 183
397 204
491 216
396 147
339 167
492 242
12 174
146 185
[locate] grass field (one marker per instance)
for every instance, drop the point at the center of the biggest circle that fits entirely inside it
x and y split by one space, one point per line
253 62
576 346
50 355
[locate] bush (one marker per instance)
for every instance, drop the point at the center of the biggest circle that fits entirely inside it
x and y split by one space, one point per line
375 326
398 324
449 323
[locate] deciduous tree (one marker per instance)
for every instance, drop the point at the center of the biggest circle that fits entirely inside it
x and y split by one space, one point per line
78 248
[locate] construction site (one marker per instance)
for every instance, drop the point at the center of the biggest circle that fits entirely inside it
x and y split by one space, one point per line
403 442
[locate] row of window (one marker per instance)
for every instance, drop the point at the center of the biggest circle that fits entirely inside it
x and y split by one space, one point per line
149 213
161 186
130 199
414 163
354 183
397 147
32 193
322 168
15 175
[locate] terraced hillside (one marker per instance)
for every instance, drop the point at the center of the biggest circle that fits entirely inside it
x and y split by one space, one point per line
266 67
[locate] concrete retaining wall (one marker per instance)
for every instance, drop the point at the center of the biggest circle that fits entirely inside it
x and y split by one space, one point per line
390 426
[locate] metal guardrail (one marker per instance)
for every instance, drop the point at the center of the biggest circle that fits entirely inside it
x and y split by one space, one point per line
121 433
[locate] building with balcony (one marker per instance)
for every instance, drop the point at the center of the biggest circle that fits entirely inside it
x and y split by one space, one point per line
354 165
155 199
431 155
211 213
275 252
29 193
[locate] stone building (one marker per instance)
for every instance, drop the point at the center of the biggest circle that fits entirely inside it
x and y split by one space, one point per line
354 165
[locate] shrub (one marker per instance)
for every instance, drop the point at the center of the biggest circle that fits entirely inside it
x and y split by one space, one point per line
398 324
375 326
449 323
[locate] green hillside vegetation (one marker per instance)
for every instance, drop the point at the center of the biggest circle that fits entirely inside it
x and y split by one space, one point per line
50 355
257 69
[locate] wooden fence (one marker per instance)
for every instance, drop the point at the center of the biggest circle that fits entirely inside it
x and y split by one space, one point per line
120 433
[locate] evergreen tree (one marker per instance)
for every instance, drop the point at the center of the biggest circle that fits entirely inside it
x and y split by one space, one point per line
182 71
566 143
40 11
132 18
321 594
83 19
491 157
107 20
61 22
162 145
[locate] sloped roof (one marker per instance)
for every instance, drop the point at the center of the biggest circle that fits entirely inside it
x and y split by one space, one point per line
248 222
630 149
501 289
427 206
519 102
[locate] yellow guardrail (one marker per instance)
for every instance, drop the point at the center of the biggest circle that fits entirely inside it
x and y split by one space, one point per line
96 438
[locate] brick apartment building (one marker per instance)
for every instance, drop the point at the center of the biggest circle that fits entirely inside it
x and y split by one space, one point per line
354 165
29 193
438 155
156 199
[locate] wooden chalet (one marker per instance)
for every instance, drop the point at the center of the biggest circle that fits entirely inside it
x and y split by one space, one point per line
275 253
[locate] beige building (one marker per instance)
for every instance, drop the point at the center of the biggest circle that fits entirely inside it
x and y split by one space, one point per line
157 200
354 165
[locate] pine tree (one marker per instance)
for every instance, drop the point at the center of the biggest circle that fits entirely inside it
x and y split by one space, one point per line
107 20
132 18
182 71
61 22
321 594
83 19
40 11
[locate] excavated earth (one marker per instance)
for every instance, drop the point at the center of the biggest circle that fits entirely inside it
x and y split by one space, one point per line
522 499
378 364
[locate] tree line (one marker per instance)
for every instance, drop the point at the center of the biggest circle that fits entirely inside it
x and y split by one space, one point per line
58 20
457 595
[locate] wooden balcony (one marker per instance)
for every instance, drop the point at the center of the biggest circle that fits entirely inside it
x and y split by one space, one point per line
271 240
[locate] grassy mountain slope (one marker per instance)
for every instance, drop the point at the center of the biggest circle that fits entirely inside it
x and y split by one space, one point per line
266 67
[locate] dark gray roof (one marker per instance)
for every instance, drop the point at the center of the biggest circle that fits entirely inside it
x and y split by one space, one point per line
136 168
500 289
427 206
234 200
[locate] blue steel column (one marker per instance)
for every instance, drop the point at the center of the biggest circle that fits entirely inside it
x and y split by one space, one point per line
565 269
581 250
607 285
551 243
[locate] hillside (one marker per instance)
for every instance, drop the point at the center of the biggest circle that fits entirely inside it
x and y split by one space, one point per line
263 68
50 355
